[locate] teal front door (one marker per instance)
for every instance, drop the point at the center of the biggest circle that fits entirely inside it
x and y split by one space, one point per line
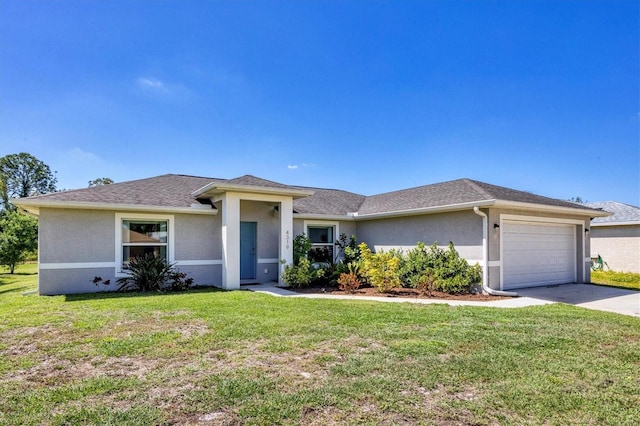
248 250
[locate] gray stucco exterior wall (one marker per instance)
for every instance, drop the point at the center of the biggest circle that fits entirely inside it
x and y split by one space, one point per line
77 245
198 237
71 236
462 228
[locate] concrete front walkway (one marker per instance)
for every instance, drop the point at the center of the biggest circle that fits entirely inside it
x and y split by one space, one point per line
626 302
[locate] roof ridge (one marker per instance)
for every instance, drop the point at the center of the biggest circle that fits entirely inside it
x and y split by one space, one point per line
474 184
193 176
328 189
247 175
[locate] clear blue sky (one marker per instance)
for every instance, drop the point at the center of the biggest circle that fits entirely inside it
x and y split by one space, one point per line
367 96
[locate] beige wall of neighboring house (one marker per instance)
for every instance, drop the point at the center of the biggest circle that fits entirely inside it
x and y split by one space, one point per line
619 246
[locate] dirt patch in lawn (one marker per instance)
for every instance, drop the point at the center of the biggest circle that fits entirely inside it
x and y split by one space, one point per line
398 292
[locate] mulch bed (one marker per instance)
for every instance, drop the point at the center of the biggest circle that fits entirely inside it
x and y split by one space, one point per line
398 292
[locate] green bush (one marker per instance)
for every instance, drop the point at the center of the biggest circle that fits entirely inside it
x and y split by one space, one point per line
433 268
381 269
302 274
349 249
301 247
153 273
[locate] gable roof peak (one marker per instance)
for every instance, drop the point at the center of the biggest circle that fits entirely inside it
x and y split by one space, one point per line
251 180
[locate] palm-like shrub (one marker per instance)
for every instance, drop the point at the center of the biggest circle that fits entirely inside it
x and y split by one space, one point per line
153 273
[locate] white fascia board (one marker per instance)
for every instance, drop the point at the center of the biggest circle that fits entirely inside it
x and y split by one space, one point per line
34 206
217 187
629 223
426 210
550 209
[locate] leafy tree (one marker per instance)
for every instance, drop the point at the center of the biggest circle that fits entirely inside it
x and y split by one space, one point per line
23 175
577 200
18 238
100 182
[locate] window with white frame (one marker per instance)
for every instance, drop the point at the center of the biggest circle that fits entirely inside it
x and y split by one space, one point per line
141 237
322 243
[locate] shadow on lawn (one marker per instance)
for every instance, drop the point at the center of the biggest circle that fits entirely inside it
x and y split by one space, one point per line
117 295
17 290
9 275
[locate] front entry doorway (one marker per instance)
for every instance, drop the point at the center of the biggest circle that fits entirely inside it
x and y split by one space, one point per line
248 237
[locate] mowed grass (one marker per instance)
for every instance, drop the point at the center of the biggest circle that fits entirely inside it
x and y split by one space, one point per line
213 357
628 280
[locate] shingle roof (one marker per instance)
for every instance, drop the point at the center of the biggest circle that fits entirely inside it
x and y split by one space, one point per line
328 201
176 191
450 193
166 190
256 181
620 213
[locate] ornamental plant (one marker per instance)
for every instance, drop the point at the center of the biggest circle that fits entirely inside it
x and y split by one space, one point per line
435 269
349 281
302 274
301 247
153 273
381 269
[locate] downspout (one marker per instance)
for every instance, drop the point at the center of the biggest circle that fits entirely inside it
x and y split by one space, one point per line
485 259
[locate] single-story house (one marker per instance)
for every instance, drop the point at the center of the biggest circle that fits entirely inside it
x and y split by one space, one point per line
225 232
617 237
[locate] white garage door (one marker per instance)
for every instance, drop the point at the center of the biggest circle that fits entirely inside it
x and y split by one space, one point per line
537 254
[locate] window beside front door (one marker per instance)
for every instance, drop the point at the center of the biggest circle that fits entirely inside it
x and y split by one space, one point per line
322 243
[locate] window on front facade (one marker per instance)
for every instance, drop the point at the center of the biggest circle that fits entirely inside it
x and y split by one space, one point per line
322 242
143 237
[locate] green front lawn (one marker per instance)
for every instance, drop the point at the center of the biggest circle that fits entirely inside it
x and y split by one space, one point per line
214 357
616 279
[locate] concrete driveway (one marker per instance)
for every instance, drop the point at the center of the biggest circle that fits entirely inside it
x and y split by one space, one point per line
601 298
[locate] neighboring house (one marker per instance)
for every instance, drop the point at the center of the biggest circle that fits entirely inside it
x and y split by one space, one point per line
617 237
227 232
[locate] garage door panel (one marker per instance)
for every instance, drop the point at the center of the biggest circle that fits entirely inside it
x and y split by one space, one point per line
536 254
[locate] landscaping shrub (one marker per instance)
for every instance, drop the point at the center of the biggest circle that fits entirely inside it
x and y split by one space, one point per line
302 274
381 269
349 250
301 247
425 283
433 268
153 273
349 281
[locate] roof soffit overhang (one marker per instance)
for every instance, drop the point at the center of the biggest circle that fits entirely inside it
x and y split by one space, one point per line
550 209
492 203
34 206
217 188
425 210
